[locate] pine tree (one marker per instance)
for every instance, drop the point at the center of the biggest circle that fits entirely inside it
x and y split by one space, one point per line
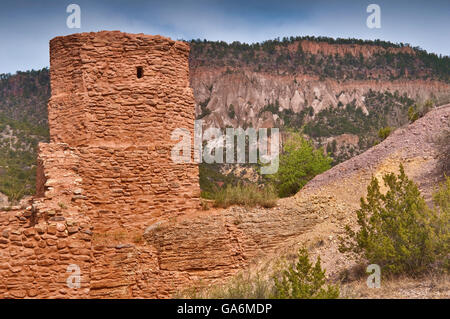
397 230
304 280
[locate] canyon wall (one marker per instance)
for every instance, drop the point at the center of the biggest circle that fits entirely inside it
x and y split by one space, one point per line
233 82
249 92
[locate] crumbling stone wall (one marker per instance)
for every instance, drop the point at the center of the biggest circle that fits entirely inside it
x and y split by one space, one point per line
106 174
39 242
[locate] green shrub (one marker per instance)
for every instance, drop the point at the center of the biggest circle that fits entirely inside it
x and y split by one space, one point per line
418 110
427 106
397 230
299 163
304 281
384 132
300 280
247 195
413 115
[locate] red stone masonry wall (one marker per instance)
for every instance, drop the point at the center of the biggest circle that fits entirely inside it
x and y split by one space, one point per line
39 242
106 174
108 103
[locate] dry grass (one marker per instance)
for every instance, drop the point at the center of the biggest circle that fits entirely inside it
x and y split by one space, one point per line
434 285
242 286
255 282
246 195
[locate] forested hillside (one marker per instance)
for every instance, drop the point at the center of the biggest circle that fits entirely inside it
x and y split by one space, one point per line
339 59
23 123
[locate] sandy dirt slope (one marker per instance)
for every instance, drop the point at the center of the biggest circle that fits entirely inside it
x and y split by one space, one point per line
249 239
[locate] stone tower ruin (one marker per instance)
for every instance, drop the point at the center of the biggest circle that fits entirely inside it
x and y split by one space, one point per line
107 174
116 98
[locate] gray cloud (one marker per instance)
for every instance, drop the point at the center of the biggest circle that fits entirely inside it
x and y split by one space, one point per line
27 26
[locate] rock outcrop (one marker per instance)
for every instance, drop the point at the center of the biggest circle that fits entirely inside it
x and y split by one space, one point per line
300 73
249 92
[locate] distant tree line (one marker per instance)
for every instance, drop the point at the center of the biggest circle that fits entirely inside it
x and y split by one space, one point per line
275 56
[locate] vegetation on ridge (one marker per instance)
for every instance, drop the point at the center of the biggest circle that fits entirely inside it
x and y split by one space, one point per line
278 55
398 231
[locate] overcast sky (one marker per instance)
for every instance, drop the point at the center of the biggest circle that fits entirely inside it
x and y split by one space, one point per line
27 26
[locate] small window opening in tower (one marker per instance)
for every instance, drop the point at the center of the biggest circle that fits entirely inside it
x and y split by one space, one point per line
139 72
